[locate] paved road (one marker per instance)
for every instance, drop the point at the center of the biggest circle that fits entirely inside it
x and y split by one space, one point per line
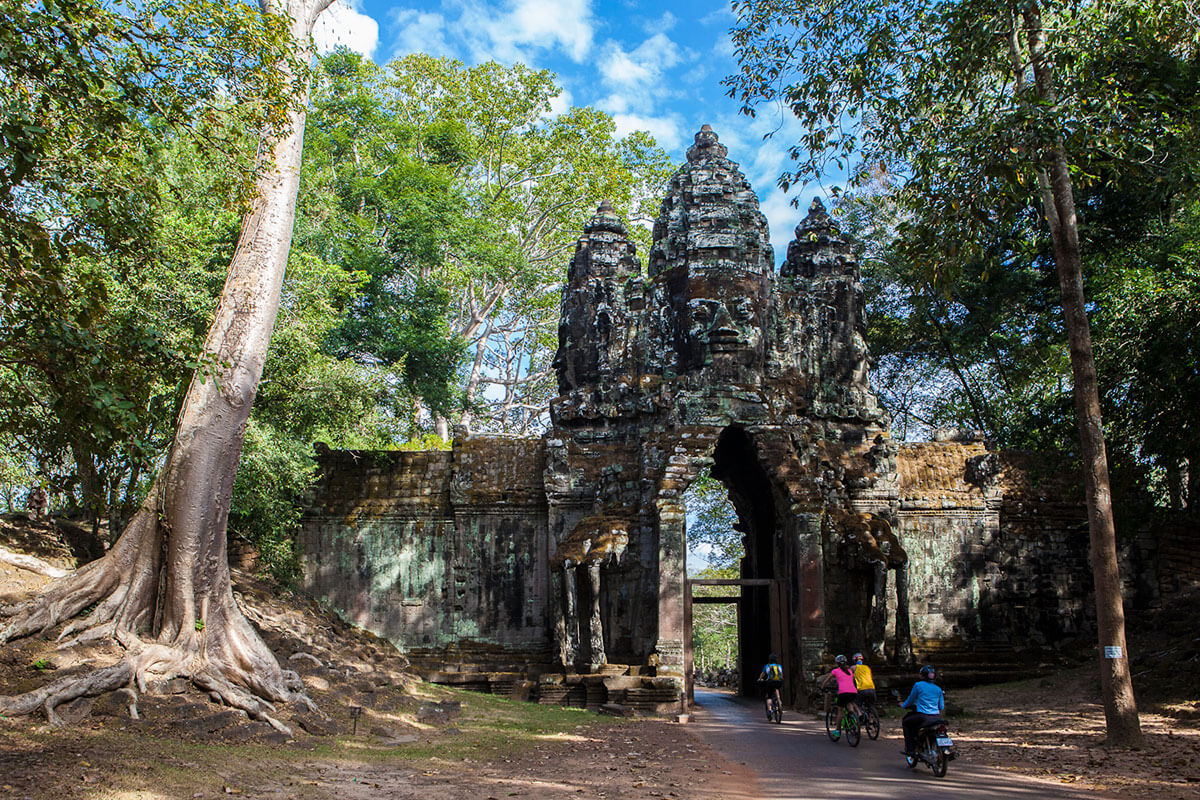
797 761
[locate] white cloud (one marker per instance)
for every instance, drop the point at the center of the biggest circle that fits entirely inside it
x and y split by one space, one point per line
550 23
637 84
724 46
561 103
781 217
721 15
506 34
642 67
343 23
663 23
665 130
620 67
419 32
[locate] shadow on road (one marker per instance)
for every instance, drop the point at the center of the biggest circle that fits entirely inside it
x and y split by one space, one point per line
797 760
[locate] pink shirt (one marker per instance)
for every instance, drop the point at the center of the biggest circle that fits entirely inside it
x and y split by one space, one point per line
845 681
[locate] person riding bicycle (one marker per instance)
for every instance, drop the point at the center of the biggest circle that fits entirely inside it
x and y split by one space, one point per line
843 676
864 682
771 678
927 701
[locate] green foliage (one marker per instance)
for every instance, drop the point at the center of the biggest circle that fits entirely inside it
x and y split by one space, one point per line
305 396
459 197
715 625
40 665
273 474
711 536
936 108
710 525
1147 342
105 107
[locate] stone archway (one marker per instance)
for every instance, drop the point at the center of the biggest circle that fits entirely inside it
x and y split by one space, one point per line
736 465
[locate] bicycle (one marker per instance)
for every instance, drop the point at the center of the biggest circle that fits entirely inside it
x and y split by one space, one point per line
870 721
848 723
774 709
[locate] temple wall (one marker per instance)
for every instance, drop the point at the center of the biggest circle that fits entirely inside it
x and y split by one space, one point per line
435 549
998 548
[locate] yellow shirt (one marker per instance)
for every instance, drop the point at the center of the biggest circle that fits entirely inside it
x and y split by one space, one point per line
862 677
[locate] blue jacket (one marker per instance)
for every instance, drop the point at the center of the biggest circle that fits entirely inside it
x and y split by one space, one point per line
926 697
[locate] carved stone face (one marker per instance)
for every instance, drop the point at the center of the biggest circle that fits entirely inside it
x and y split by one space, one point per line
725 327
725 314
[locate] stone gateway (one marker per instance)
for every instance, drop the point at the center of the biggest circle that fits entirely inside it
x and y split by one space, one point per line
554 568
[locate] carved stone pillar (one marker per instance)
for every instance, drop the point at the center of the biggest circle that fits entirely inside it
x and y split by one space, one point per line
902 651
570 613
878 622
597 657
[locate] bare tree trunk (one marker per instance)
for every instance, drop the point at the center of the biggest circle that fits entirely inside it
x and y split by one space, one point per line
1193 483
1116 683
168 573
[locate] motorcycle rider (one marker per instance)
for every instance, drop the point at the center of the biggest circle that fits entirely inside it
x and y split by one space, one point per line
927 701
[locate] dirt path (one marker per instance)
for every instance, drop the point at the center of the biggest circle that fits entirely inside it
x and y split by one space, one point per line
1054 727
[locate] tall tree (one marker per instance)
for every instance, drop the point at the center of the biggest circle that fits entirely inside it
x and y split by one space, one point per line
168 573
977 107
465 193
102 108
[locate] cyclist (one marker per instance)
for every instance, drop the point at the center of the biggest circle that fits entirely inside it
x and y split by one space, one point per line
864 682
927 701
771 678
843 676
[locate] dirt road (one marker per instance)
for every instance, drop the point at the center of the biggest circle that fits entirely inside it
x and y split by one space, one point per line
797 761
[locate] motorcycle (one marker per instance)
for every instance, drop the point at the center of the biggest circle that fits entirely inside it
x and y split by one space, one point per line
934 748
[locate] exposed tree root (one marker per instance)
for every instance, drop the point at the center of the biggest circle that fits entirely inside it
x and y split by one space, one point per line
145 663
209 642
30 563
64 690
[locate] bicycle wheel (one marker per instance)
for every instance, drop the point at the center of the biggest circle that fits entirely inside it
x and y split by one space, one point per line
778 712
872 725
831 723
853 733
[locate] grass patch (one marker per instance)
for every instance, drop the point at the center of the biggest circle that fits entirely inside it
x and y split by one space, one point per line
126 762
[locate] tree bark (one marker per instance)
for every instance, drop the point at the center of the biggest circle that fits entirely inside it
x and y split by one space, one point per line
168 573
1116 682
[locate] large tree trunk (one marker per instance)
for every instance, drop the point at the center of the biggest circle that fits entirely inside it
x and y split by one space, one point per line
168 574
1116 683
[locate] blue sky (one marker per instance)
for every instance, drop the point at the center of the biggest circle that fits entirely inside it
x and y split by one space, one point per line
655 66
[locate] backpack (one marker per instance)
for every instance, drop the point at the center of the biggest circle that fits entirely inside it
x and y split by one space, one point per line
774 672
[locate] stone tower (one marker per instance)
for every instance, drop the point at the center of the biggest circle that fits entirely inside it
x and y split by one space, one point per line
726 367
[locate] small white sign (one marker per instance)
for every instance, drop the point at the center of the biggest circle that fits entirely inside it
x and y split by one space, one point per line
1112 652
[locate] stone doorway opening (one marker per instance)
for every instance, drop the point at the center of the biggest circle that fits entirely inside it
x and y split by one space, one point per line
757 586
